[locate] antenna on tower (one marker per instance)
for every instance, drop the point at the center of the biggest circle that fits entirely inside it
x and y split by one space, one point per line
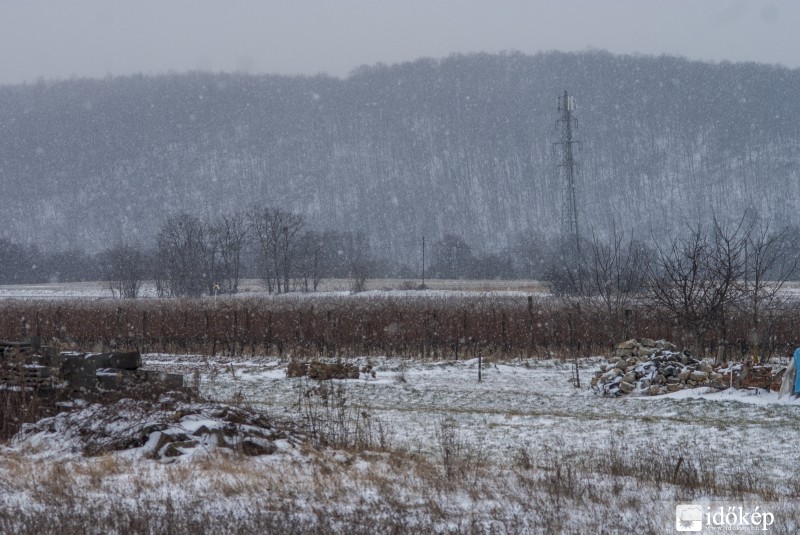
567 124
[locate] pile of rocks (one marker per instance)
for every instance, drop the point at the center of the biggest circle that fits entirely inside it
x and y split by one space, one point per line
651 367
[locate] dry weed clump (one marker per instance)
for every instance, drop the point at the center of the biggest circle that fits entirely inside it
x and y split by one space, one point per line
20 405
339 415
297 368
687 471
323 371
462 459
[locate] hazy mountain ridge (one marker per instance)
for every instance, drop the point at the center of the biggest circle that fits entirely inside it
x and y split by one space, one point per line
460 145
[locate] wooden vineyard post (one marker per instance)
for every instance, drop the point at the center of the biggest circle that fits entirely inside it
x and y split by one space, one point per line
213 338
249 337
185 332
530 326
572 351
144 332
330 345
234 332
627 315
118 327
205 331
504 334
268 343
60 328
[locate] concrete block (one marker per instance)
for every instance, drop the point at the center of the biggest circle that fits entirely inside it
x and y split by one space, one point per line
109 380
77 364
85 382
101 360
125 361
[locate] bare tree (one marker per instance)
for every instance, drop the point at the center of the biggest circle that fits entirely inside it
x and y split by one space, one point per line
530 255
125 269
614 273
358 277
769 264
310 261
228 235
358 255
183 252
564 270
452 258
159 272
602 278
697 279
277 233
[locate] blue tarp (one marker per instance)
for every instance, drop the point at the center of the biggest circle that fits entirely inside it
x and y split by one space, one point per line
797 370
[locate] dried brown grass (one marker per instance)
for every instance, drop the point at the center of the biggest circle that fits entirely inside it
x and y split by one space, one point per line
362 492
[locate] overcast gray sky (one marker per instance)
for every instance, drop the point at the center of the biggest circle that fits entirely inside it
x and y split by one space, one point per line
93 38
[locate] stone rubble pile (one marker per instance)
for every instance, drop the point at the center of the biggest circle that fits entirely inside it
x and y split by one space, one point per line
649 367
155 429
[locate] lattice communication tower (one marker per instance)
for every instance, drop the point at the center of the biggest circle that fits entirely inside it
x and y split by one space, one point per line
567 125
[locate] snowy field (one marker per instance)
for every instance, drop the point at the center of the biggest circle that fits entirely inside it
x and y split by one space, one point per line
531 404
531 410
255 288
522 451
328 287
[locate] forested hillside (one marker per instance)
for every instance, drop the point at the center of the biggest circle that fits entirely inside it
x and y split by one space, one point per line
462 145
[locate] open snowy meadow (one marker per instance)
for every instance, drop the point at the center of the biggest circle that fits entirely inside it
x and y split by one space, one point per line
422 447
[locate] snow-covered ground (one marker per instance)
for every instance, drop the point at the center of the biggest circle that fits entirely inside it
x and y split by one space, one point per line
328 288
67 290
531 409
528 453
532 405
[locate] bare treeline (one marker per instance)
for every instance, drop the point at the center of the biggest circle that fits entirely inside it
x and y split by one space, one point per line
700 282
195 257
701 279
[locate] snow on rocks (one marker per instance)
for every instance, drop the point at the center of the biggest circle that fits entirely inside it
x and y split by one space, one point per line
163 429
651 367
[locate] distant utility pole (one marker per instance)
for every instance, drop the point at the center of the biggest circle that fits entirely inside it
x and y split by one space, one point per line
566 124
423 261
